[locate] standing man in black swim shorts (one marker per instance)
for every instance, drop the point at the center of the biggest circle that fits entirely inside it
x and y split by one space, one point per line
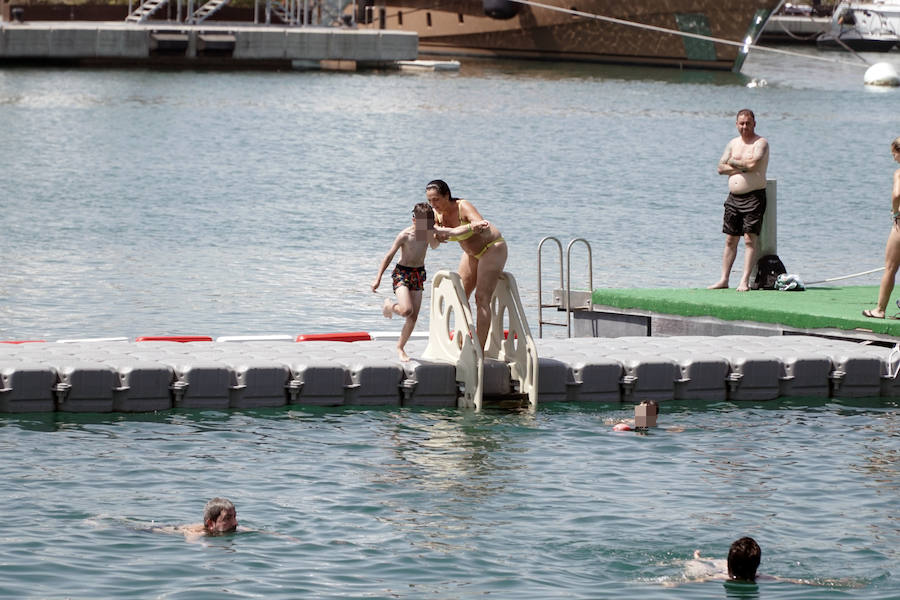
744 161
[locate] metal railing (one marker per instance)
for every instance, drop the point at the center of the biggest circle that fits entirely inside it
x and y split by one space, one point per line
567 302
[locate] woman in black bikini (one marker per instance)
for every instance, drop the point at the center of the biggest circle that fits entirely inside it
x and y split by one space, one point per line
484 249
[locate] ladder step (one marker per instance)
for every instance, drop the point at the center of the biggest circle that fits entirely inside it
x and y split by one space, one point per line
505 401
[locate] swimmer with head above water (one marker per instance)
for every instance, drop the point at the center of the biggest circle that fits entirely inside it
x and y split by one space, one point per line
740 567
219 517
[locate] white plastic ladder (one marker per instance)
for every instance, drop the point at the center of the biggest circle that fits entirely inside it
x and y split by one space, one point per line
453 338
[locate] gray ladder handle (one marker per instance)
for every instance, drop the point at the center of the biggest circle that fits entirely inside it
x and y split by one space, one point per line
569 281
540 293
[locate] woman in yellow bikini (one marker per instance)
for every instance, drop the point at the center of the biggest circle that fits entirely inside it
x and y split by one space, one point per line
457 220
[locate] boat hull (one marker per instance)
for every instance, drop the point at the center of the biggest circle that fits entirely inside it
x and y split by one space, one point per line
461 28
827 41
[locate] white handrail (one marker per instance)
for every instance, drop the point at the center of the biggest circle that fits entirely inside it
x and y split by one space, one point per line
456 343
517 346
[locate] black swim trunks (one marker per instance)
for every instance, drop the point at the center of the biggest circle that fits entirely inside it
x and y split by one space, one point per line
411 277
744 213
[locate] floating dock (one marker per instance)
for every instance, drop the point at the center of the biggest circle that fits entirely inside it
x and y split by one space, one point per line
203 46
131 376
834 312
449 368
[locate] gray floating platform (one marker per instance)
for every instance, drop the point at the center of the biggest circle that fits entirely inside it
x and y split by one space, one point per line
124 376
233 46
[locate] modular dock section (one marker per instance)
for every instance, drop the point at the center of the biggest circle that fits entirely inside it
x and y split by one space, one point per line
219 45
132 376
834 312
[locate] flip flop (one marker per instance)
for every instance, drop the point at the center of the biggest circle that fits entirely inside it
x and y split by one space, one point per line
871 315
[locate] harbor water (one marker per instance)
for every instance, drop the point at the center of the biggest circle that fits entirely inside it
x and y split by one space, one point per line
145 202
453 504
155 202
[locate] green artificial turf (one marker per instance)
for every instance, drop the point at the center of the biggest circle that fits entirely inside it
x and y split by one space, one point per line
815 308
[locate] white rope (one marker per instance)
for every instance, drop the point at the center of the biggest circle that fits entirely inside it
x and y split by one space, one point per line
861 273
697 36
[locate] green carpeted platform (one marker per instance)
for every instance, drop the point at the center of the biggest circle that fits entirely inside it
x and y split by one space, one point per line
815 308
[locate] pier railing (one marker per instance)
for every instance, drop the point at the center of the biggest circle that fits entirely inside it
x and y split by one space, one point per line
563 303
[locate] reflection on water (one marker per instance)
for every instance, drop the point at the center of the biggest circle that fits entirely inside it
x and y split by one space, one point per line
447 464
741 591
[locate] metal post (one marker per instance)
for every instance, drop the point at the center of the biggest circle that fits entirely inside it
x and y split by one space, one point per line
768 234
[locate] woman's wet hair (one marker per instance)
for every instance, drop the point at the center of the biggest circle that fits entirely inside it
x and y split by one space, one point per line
895 146
441 186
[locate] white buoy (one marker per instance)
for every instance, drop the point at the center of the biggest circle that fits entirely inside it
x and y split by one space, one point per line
882 74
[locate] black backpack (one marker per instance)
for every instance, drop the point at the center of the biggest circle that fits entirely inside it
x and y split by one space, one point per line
768 268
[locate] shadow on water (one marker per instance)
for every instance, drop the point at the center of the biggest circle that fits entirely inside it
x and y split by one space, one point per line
472 425
741 591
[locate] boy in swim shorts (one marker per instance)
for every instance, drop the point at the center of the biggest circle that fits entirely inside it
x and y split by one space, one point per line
409 273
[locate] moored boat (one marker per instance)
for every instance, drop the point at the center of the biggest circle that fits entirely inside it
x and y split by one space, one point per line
609 31
863 27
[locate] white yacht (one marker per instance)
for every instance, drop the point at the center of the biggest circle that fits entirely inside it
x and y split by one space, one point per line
863 26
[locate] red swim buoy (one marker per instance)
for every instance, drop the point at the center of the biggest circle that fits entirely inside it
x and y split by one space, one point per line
621 427
174 338
349 336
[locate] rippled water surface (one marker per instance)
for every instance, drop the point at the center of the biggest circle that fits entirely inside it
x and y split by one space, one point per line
151 202
452 504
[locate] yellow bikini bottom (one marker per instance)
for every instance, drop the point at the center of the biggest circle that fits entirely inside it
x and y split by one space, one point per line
486 246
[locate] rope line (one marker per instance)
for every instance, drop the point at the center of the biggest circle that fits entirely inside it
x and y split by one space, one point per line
860 274
697 36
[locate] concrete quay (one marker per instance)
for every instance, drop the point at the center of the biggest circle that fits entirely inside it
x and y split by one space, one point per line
207 46
126 376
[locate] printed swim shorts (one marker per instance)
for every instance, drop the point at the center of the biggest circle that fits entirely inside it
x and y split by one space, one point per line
411 277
